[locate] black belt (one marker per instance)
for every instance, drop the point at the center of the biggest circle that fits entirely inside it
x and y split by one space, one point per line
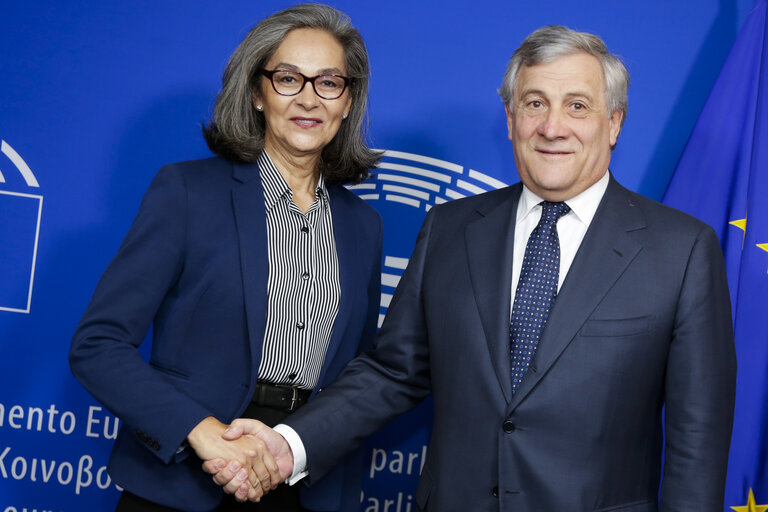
288 398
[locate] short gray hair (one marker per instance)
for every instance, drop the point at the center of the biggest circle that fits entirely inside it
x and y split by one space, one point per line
548 43
237 129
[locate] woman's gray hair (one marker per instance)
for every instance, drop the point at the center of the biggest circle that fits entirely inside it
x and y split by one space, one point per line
549 43
237 129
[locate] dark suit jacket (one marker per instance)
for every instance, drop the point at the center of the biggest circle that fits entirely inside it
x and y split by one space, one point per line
194 266
642 320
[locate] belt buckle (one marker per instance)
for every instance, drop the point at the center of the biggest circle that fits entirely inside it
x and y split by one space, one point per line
294 399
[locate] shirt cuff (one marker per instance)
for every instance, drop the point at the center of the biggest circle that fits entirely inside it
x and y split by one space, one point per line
299 453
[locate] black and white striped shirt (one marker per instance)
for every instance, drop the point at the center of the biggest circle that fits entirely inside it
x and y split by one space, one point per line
303 285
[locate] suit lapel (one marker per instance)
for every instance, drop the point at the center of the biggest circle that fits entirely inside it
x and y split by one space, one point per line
489 252
346 250
603 255
251 222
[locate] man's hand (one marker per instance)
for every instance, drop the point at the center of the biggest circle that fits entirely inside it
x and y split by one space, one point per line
227 476
248 459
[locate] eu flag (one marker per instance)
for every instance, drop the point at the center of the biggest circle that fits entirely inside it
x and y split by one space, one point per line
722 178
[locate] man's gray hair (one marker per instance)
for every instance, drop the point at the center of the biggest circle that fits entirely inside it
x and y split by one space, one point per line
549 43
237 129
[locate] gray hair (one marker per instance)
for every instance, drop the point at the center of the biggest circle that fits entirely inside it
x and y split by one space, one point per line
548 43
237 129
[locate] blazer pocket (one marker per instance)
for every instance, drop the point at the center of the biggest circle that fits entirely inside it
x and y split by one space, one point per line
170 371
616 328
635 506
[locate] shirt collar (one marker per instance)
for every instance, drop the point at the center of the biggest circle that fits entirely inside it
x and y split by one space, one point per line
583 205
277 189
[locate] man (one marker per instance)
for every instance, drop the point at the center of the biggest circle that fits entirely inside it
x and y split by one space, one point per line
618 305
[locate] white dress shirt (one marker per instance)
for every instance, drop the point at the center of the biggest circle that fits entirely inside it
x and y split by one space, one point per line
571 229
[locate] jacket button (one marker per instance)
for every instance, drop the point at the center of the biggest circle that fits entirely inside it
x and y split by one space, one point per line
508 427
495 491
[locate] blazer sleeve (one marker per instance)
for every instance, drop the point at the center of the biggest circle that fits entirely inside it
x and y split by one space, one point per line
104 354
700 385
374 294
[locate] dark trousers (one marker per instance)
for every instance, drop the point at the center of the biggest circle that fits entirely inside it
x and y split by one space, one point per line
283 499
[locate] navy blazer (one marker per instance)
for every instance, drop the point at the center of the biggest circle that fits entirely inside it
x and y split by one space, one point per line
642 321
194 266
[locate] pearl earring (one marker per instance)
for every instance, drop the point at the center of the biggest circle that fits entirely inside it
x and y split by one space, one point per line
259 107
343 116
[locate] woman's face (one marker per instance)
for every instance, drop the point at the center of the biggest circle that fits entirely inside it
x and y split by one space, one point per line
302 125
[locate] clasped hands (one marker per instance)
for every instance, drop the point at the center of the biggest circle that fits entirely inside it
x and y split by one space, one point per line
247 458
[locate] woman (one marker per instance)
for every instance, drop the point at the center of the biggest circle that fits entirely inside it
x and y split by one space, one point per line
258 271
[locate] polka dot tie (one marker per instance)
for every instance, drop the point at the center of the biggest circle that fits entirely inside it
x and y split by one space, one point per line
536 289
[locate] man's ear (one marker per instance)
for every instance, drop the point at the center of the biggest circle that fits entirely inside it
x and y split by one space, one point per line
510 121
615 125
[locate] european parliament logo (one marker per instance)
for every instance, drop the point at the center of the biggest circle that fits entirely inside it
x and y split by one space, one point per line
403 190
20 214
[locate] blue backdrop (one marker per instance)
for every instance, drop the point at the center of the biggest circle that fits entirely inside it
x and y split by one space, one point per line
96 96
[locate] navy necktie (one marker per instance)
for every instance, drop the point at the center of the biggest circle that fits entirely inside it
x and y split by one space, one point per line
536 289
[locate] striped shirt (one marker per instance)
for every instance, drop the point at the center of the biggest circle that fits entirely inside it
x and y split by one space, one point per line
303 285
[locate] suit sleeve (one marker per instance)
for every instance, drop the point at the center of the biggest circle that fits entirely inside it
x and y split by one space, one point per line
700 385
382 383
104 354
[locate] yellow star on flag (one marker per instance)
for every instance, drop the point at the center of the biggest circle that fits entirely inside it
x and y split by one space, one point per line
741 224
765 248
751 506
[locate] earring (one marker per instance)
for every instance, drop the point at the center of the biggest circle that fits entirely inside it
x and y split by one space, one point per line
343 116
259 107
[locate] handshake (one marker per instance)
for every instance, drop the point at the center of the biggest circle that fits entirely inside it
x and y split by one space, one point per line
247 458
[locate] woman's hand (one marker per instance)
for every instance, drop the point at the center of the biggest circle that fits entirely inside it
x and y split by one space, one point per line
228 474
253 469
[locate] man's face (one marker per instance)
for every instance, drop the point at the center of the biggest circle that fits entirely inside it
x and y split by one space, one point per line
560 127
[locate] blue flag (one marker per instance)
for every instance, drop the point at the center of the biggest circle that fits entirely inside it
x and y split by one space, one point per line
722 178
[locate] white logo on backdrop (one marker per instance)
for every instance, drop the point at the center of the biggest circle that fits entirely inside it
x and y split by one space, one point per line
20 215
420 182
